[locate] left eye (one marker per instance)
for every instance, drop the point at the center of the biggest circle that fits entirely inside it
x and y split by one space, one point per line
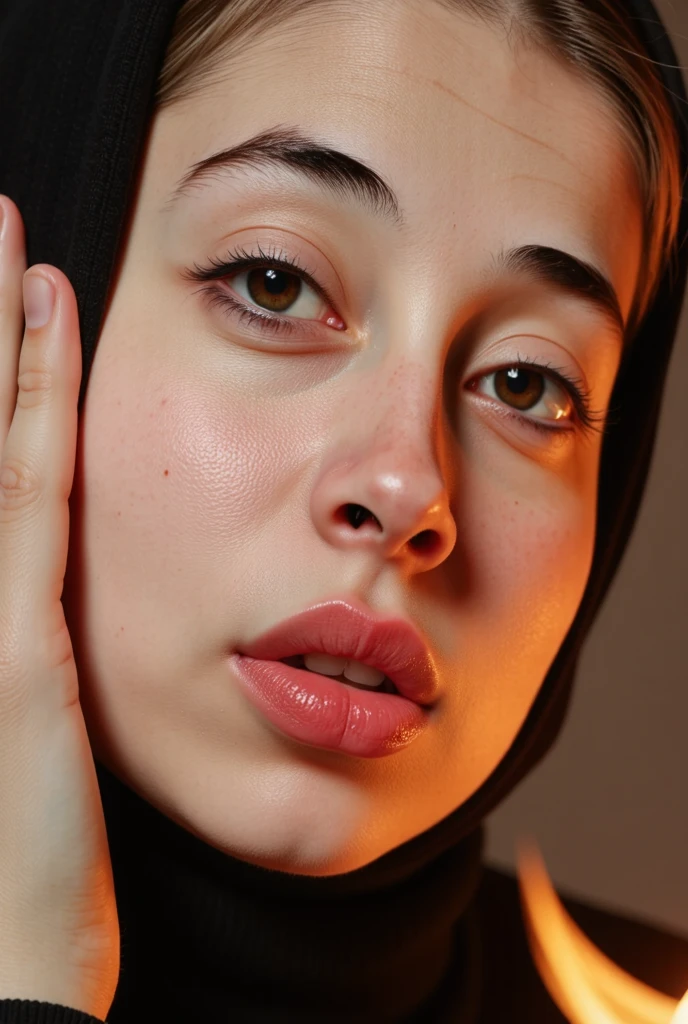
526 390
277 291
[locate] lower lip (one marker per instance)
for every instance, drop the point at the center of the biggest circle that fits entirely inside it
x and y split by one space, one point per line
326 713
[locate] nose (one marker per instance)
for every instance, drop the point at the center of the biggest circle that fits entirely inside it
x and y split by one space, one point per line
382 491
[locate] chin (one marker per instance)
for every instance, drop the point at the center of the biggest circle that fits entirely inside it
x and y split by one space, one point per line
296 822
301 817
300 862
290 842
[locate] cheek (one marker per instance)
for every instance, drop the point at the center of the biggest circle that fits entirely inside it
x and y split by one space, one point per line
234 460
189 510
530 555
187 481
531 529
536 549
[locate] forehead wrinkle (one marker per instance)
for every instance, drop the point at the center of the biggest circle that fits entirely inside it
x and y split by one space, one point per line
501 124
457 97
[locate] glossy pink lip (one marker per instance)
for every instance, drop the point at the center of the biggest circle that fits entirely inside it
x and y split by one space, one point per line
347 628
323 712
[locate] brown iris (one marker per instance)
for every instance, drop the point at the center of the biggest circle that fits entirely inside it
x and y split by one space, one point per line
274 289
520 388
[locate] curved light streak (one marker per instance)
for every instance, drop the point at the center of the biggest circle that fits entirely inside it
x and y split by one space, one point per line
586 985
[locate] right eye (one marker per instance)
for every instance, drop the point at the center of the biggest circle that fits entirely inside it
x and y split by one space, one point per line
528 390
538 395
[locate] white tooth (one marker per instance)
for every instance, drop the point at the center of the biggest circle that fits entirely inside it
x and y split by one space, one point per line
325 664
357 672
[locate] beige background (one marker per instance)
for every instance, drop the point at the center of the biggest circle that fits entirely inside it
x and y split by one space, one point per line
609 805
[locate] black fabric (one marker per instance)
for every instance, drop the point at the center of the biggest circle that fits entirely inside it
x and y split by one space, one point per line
510 991
77 81
31 1011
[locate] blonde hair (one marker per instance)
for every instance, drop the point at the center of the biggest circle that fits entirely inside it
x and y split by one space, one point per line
593 36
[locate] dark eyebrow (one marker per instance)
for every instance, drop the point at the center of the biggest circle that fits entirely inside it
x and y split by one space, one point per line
561 269
345 176
288 147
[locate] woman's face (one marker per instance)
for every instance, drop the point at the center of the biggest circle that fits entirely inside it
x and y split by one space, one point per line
216 454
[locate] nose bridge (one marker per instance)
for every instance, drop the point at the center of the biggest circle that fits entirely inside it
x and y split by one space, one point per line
396 399
392 421
382 485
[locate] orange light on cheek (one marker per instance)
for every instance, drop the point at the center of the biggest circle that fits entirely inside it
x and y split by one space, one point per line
586 985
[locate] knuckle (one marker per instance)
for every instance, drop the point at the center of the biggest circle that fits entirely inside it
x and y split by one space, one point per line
19 487
33 388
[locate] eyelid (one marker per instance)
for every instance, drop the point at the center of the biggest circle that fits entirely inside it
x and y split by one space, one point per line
239 260
576 388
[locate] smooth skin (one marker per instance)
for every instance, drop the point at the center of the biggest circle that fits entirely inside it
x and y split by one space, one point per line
59 940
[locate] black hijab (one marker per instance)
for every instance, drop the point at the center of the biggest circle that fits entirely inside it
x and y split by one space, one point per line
206 936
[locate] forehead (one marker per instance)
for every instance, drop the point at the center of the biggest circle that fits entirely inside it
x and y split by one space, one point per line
504 144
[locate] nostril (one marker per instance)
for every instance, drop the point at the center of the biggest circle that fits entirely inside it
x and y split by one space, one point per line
425 541
356 515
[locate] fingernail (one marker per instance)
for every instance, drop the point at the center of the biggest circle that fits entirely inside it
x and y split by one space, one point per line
39 299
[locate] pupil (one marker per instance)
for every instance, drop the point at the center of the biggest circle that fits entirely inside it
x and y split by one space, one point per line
518 380
274 281
520 388
274 289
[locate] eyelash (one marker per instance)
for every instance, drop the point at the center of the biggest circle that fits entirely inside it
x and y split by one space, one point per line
239 261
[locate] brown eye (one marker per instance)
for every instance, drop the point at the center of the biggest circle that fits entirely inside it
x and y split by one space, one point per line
274 290
519 387
527 390
278 292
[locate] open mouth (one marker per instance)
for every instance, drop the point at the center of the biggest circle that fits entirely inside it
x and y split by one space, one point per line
325 665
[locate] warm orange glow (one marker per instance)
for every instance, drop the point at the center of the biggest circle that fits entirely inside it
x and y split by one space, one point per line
586 985
681 1015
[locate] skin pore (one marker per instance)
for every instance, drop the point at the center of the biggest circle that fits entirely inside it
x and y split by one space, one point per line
214 453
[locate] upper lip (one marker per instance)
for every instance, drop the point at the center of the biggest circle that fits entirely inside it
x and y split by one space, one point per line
347 628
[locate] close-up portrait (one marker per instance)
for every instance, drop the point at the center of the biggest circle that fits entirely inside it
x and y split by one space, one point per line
342 489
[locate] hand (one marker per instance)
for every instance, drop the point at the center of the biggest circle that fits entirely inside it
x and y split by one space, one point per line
59 930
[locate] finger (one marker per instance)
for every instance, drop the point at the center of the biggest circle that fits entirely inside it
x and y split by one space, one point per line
37 465
12 269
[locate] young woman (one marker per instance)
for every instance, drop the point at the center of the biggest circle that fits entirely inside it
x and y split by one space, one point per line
344 336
